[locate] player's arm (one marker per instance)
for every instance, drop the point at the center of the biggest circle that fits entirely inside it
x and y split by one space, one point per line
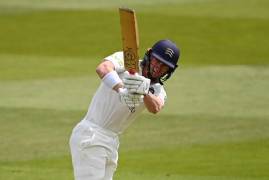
106 72
153 103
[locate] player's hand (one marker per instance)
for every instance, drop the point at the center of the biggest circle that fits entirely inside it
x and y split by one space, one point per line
131 100
136 83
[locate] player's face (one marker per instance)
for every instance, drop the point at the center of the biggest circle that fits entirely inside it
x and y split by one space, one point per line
157 68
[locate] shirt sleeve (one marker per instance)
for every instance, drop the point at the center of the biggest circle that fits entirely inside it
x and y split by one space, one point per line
159 91
117 60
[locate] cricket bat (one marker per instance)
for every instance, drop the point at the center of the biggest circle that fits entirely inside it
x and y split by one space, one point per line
130 39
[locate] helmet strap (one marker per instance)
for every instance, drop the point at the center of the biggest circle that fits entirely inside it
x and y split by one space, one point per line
167 75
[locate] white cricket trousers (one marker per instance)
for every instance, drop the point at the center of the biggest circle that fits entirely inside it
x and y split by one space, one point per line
94 152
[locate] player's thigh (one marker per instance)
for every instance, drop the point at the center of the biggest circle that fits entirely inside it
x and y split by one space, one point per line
90 163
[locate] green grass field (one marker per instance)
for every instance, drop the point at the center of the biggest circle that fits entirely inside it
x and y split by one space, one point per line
215 125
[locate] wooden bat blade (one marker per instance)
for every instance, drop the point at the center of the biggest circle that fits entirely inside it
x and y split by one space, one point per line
130 39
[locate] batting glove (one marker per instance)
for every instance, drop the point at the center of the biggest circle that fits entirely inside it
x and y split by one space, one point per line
131 100
136 83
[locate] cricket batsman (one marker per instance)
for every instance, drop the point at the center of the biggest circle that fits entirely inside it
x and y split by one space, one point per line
119 99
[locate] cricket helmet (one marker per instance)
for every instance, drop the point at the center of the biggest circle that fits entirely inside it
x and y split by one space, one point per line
167 52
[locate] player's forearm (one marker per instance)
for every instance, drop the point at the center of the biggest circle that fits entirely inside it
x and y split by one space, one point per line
106 72
153 103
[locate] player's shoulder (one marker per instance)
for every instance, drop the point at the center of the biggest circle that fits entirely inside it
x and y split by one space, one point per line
118 53
157 87
115 56
117 59
158 90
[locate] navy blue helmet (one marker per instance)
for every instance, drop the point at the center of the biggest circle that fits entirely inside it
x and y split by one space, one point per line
166 52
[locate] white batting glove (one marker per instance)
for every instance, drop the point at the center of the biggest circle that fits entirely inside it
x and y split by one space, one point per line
131 100
136 83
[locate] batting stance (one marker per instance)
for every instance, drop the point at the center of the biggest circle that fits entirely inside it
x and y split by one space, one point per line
119 99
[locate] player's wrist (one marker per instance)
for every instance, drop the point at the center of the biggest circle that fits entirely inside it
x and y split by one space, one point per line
112 80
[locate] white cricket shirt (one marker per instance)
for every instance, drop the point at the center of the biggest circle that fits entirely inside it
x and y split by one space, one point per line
107 111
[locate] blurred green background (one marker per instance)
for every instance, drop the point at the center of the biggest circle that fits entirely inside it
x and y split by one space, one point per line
215 124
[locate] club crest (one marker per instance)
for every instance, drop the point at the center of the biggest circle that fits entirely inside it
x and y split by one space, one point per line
169 52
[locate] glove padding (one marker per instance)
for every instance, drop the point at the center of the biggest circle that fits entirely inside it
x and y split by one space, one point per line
131 100
136 83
